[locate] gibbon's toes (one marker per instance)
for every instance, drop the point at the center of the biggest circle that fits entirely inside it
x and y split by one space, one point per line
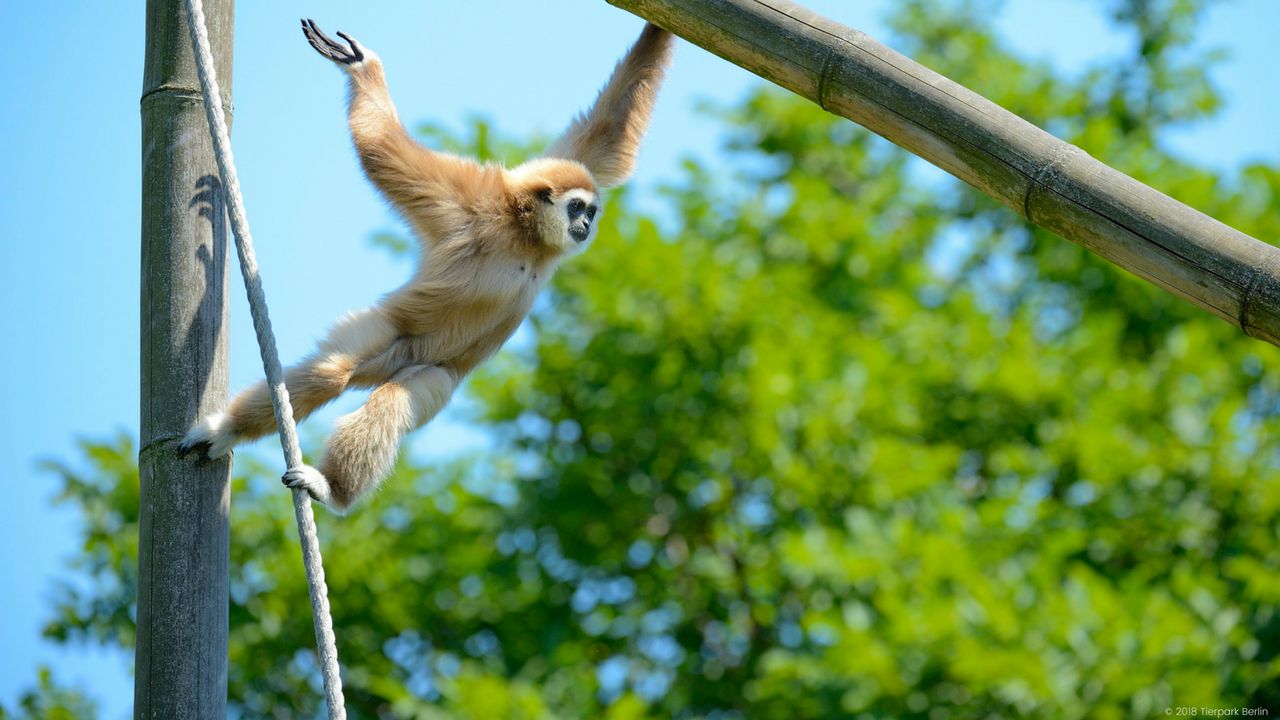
325 45
211 434
305 477
186 446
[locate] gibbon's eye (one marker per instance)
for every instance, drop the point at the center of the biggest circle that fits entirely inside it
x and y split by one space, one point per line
591 212
576 206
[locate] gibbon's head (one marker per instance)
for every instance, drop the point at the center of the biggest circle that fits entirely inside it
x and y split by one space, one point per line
561 198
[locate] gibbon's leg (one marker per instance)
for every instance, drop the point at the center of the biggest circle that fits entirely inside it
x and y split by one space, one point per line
319 378
363 447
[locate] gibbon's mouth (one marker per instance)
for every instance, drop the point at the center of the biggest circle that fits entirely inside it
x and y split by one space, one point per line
580 233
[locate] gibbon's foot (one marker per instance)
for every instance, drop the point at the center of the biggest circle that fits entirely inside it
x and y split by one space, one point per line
310 479
330 49
213 434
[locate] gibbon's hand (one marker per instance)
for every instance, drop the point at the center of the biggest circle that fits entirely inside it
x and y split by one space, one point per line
330 49
310 479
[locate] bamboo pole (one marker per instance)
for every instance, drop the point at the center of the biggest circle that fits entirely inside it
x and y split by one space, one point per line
1050 182
184 528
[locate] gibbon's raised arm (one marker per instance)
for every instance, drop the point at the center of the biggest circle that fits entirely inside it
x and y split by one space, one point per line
607 137
433 190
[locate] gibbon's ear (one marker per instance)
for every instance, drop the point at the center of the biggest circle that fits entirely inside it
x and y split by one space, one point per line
544 195
607 137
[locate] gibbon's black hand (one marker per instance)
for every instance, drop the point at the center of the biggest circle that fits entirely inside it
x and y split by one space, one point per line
330 49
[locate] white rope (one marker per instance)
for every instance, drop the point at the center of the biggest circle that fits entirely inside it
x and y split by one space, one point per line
325 642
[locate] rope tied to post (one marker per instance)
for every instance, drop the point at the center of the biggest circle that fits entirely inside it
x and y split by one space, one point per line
326 645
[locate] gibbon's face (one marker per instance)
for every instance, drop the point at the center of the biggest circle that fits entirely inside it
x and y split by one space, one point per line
568 220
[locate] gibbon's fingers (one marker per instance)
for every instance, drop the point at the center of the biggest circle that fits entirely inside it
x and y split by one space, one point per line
317 39
315 33
355 46
325 45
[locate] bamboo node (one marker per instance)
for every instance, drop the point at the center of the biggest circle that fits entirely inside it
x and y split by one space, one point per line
1044 177
1257 315
828 69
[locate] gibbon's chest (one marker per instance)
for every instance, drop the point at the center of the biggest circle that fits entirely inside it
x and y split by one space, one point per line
469 287
509 280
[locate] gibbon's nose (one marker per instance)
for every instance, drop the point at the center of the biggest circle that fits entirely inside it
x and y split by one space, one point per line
579 230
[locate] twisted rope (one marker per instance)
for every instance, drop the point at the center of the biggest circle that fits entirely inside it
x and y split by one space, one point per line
325 643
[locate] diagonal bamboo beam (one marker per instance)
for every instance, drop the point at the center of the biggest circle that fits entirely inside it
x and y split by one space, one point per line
1050 182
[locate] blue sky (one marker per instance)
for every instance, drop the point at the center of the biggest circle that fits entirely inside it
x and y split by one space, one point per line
69 201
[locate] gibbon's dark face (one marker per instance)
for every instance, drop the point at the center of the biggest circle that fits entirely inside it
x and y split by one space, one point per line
581 212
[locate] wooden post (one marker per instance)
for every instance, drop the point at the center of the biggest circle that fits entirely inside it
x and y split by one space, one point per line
184 529
1050 182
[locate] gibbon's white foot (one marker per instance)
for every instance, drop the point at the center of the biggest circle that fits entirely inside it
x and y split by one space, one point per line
309 479
214 433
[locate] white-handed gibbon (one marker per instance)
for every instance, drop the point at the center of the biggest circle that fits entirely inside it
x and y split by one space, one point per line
490 239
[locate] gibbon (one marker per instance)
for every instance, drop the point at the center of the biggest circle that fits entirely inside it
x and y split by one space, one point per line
490 239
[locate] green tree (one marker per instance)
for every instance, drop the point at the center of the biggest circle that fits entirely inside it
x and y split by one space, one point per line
837 437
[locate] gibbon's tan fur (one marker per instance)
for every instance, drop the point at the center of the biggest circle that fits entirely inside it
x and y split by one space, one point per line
490 239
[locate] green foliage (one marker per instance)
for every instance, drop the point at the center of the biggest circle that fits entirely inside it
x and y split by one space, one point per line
107 497
850 441
50 701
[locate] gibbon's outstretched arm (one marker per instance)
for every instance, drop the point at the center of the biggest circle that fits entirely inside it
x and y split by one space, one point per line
607 137
432 190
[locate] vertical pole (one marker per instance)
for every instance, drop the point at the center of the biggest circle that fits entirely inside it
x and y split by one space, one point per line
184 529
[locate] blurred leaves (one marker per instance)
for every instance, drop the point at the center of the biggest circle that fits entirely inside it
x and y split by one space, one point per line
50 701
843 439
